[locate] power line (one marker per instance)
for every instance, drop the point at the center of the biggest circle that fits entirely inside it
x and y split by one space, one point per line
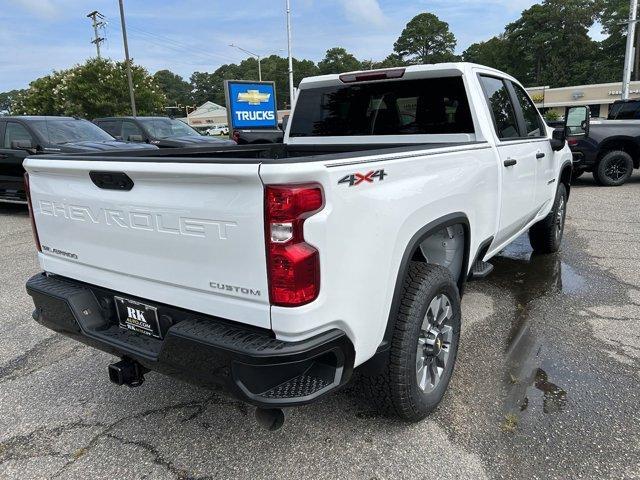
97 22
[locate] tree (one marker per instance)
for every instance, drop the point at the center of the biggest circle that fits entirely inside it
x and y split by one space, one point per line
338 60
175 88
426 39
613 15
491 53
7 99
551 43
210 86
94 89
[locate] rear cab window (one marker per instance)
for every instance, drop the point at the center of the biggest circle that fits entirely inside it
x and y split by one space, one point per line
398 107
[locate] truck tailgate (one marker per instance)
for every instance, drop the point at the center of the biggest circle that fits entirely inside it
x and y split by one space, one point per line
186 234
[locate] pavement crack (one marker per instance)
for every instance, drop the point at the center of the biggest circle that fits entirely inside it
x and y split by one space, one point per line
200 405
158 458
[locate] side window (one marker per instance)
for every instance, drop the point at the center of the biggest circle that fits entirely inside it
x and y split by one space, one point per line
504 116
110 126
128 129
15 131
532 120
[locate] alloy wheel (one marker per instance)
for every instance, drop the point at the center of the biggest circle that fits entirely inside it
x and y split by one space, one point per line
434 343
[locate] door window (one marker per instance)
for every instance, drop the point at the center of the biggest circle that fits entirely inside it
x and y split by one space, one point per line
111 126
130 128
532 121
15 131
504 116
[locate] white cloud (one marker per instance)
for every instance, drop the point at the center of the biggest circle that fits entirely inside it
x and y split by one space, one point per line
364 11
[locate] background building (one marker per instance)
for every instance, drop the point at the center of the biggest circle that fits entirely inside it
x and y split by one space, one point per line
598 97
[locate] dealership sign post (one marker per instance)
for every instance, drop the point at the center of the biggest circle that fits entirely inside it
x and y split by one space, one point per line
251 104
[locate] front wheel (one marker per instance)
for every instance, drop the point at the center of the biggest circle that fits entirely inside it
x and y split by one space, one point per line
546 235
614 169
423 347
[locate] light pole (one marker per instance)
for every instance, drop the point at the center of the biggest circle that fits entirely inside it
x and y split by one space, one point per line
292 92
253 55
128 61
628 56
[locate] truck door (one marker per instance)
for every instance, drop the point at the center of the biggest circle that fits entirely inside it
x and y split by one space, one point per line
11 158
517 159
535 129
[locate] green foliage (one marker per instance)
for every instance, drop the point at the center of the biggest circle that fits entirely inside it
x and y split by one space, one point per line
550 45
176 90
338 60
551 116
210 86
96 88
7 99
426 39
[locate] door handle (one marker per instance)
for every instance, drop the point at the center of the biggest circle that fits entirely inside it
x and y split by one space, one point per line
510 162
539 155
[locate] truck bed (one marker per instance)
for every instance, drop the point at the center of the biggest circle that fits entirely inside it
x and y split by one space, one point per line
262 153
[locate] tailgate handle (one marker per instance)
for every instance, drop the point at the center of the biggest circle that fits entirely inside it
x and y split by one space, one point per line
111 180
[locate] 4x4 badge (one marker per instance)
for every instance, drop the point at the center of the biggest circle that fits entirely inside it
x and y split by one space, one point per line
356 179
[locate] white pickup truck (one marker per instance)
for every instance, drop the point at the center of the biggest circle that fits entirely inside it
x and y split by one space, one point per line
272 271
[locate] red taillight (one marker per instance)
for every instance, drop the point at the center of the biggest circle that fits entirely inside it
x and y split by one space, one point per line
572 142
235 136
33 220
293 265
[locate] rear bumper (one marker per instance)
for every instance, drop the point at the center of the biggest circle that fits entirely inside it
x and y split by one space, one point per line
248 363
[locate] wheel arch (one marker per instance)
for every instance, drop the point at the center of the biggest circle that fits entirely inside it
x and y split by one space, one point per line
627 144
412 248
565 176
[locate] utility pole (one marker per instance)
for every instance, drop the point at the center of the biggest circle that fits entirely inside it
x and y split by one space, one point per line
128 61
292 92
628 55
96 18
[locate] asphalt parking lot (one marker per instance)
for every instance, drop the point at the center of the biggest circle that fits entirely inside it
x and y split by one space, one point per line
546 385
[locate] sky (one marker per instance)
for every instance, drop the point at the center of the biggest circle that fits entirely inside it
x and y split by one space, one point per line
39 36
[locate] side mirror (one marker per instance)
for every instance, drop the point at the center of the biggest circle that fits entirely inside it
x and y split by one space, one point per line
577 120
285 122
558 138
21 145
135 138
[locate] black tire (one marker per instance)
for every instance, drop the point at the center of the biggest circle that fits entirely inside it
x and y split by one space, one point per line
614 169
396 391
546 235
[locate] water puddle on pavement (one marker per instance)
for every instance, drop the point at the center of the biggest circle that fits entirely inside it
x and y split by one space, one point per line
528 277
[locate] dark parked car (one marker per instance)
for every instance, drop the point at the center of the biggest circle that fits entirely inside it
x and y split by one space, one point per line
611 151
163 132
26 135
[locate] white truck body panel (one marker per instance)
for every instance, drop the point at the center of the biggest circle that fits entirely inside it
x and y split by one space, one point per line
189 235
361 233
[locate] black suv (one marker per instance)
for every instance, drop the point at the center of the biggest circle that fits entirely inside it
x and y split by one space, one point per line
23 136
163 132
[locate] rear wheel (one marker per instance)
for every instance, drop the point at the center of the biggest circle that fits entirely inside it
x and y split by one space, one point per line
614 169
546 235
423 347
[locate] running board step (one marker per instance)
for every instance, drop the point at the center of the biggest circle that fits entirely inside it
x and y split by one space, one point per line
481 269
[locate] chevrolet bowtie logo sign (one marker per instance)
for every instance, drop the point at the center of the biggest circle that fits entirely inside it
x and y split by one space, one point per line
253 97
